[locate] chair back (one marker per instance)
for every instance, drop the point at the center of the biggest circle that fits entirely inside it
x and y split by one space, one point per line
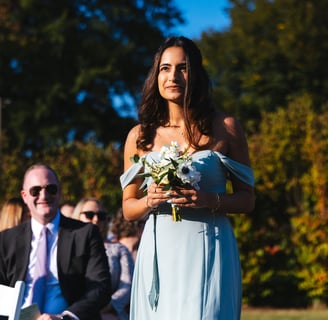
11 300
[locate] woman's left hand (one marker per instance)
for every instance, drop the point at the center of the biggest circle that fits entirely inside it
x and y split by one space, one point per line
189 197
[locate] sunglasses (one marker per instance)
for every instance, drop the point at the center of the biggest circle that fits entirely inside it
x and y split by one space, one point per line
50 188
90 214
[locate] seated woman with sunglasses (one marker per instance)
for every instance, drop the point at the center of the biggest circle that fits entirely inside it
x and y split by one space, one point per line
120 260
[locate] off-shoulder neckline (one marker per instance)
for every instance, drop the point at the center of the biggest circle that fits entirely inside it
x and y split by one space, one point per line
190 154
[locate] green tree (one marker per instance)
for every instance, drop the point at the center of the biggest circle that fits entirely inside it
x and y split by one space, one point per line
273 51
283 243
310 232
68 66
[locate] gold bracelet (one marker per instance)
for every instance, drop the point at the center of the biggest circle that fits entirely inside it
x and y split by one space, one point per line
218 204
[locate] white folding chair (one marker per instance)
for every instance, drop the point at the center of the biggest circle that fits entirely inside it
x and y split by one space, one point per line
11 299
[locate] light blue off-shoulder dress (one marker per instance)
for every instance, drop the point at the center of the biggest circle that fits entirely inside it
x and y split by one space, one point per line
189 269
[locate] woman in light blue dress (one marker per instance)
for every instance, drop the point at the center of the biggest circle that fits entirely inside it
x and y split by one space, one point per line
186 269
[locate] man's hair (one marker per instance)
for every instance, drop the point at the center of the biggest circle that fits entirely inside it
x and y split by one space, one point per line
40 166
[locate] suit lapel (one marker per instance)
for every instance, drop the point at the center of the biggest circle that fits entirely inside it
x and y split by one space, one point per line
65 242
23 248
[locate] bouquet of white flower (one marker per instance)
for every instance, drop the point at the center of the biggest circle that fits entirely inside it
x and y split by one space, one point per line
174 169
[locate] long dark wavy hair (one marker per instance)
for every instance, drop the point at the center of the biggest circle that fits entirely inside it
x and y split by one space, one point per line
197 104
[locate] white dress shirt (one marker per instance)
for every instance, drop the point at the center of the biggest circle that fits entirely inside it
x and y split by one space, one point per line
55 302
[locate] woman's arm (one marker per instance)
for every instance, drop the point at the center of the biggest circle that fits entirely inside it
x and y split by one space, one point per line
243 198
134 202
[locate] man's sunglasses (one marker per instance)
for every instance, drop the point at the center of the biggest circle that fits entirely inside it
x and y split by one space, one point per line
50 188
90 214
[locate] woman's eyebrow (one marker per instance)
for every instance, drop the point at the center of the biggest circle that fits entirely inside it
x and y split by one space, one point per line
164 64
169 64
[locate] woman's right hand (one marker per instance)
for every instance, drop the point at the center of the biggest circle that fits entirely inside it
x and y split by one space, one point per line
156 195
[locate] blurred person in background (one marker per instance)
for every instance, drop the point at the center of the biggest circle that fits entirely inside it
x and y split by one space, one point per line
126 232
120 261
13 212
67 208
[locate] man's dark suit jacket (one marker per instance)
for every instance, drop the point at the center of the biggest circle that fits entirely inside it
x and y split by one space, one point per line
83 269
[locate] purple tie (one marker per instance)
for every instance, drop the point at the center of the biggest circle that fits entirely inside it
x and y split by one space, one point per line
40 273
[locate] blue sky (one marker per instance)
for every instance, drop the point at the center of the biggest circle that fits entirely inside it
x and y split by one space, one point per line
201 15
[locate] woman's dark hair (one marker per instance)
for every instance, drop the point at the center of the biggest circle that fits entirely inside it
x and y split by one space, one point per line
123 228
197 107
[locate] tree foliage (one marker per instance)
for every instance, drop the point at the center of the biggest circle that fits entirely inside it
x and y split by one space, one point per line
274 51
68 65
289 224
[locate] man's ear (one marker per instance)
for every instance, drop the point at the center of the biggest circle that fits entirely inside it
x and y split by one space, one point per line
23 194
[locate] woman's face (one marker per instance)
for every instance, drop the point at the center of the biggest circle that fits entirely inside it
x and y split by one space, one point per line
92 212
172 75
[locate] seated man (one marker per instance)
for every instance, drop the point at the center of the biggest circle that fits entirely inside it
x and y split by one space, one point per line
74 281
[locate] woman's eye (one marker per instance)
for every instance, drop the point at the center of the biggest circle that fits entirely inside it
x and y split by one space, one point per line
164 68
183 68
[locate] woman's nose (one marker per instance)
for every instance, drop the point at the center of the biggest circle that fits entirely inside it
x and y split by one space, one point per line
173 75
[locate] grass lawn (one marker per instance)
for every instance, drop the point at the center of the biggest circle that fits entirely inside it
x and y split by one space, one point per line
292 314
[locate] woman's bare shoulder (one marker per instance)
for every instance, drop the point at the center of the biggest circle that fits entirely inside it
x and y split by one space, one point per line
132 137
229 124
230 137
130 147
134 132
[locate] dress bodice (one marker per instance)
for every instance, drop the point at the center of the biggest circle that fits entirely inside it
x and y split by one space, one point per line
212 165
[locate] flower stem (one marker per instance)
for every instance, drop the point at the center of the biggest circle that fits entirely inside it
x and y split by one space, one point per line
176 216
